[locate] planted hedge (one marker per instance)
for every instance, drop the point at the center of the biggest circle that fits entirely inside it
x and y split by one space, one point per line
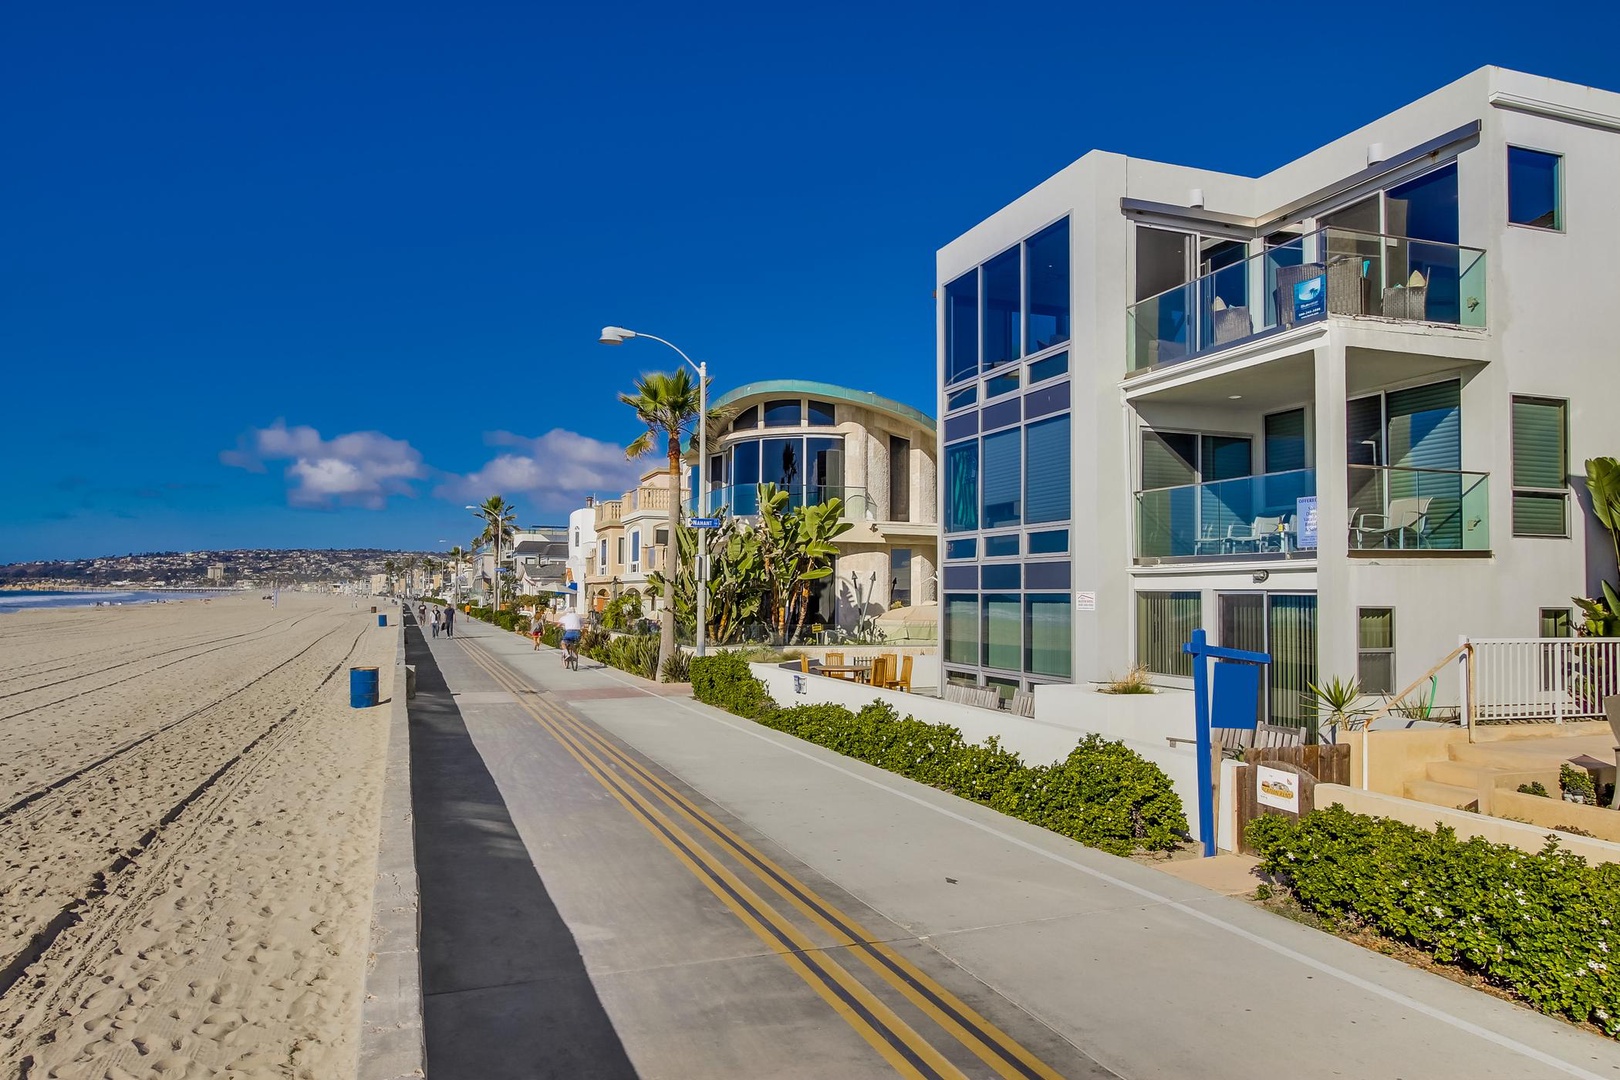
1544 926
1103 795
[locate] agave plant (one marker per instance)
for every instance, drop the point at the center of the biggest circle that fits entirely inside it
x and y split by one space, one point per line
1334 703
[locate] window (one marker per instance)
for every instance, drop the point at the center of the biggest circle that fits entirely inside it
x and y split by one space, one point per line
1001 384
962 486
900 576
747 419
1046 262
962 398
1164 623
1047 629
1003 489
745 477
1161 261
661 536
1285 441
1000 310
620 552
965 548
962 328
1001 575
1555 659
1046 479
961 628
576 538
1003 686
1051 542
1001 631
1050 368
783 413
996 547
899 478
1375 650
601 566
1556 623
635 550
1535 188
1540 467
821 414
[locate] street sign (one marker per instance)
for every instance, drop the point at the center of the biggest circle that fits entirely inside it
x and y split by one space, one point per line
705 523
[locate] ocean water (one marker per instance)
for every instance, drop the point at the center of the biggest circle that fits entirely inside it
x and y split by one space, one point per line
35 599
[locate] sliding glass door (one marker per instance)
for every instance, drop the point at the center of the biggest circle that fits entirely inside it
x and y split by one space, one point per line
1282 625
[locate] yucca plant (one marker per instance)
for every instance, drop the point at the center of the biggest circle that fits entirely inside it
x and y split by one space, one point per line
1335 703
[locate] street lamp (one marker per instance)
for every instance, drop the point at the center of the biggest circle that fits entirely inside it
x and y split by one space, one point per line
618 335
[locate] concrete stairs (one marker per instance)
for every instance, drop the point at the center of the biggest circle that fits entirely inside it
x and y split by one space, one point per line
1472 771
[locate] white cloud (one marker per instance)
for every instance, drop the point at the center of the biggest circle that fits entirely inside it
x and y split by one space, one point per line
361 468
549 473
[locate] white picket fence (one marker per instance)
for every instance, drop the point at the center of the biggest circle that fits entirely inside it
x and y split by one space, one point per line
1543 680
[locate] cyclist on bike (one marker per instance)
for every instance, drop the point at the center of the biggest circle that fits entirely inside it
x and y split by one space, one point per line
570 636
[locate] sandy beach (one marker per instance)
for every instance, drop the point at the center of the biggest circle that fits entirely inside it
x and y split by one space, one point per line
188 827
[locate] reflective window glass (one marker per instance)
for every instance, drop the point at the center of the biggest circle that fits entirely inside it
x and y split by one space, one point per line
824 464
965 548
1000 310
962 628
781 462
1046 255
1534 187
748 418
744 477
1003 475
962 486
1047 474
821 414
1001 631
1001 575
962 398
784 413
962 328
1049 368
1001 384
1047 632
1050 542
999 546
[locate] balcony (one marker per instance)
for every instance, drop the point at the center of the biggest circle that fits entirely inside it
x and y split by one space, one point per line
1250 517
1419 511
609 512
649 498
1329 272
742 500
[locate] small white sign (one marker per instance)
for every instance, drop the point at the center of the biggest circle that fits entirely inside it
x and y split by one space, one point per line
1277 789
1085 601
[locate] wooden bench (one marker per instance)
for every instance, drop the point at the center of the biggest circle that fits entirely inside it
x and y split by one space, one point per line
983 697
1264 736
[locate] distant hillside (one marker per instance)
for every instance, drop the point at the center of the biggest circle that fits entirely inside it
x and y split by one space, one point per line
191 567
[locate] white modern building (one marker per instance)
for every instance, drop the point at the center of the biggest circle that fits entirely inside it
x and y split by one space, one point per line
1331 412
581 545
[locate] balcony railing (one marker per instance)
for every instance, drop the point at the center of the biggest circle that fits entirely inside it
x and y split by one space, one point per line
1399 509
608 512
742 500
1249 515
1330 271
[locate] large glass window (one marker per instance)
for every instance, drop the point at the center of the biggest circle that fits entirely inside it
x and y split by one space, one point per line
1049 368
960 399
1051 542
1285 441
635 550
1001 633
1535 188
1047 632
1540 464
962 486
900 576
1046 255
965 548
1003 494
1164 623
745 478
1046 494
1002 323
821 413
1001 384
962 628
824 464
785 413
899 478
962 327
1001 547
746 420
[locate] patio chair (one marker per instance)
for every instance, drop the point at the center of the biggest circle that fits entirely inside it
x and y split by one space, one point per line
804 664
1259 534
903 683
1611 709
835 659
1408 301
882 669
1408 514
1229 323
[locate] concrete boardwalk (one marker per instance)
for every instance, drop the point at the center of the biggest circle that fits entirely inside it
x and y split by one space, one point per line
612 905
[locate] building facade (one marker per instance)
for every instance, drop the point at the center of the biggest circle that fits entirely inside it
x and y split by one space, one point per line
581 542
817 441
629 537
1331 412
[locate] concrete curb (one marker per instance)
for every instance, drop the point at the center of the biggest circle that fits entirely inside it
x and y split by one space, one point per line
391 1032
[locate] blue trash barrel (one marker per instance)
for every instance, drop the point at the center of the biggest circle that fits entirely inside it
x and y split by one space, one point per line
382 620
362 687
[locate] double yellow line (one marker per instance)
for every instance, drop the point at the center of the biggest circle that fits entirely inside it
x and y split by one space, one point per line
647 797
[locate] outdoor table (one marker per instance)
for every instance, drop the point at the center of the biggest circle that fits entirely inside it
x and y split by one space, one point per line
862 672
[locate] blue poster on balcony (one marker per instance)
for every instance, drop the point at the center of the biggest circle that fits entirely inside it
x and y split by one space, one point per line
1305 518
1310 298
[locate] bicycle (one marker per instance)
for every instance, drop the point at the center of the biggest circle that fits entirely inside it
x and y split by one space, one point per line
571 654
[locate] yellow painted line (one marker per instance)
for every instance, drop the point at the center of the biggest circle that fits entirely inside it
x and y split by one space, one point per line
717 877
1009 1058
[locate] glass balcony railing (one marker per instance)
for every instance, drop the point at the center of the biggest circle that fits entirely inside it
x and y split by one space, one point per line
1330 271
742 500
1249 515
1398 509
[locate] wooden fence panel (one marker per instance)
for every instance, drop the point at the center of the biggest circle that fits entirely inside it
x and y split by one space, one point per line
1329 764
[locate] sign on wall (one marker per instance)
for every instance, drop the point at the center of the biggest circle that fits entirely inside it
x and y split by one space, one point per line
1085 601
1305 516
1277 789
1310 298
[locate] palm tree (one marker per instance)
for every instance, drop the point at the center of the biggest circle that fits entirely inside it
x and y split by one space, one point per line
498 516
669 405
390 567
458 555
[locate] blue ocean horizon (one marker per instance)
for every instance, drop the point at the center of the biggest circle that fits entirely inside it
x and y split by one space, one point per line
37 599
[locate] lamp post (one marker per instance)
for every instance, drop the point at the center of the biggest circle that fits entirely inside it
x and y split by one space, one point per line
618 335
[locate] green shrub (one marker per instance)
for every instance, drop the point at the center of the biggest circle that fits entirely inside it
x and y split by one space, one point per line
1103 795
635 653
678 668
724 680
1576 781
1545 926
1534 787
552 635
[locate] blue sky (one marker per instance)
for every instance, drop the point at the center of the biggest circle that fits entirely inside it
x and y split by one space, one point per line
317 274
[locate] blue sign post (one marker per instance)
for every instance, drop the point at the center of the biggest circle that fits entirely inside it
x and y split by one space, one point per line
1236 703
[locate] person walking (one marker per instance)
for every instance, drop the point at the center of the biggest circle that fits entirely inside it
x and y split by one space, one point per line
537 627
449 622
435 622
